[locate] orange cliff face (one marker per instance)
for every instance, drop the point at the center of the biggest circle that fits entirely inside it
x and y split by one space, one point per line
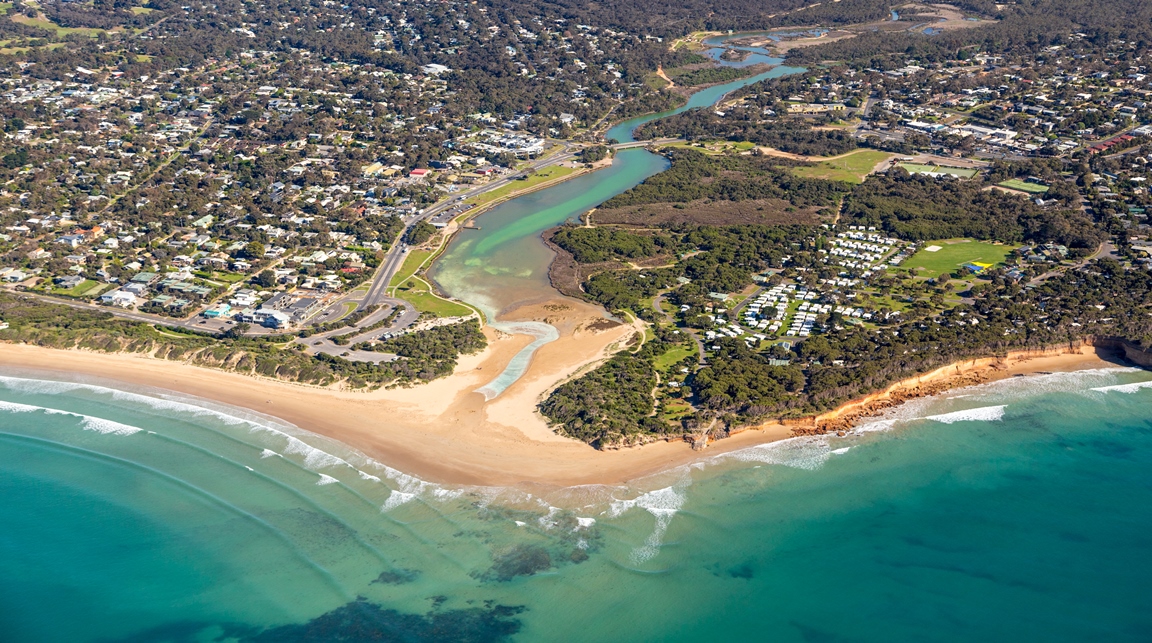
1092 352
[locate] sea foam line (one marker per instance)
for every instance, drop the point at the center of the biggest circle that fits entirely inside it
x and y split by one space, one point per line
663 504
88 422
409 488
313 457
1124 388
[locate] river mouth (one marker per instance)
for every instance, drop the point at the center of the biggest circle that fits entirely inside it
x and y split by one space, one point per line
502 265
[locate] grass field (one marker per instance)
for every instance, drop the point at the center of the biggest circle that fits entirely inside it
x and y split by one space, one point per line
961 172
1023 186
419 294
953 254
850 168
676 410
675 354
412 264
86 288
44 23
549 173
226 277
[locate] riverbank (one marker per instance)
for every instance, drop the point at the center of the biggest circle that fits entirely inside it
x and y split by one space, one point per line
446 432
463 222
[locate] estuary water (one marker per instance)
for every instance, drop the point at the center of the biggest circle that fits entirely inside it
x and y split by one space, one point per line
504 264
1011 511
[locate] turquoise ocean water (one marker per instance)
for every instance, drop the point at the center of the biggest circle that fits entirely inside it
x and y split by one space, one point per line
1012 511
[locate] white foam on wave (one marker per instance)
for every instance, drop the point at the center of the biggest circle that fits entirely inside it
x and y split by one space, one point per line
313 458
442 494
108 427
293 442
325 480
1124 388
874 426
584 523
841 451
292 437
663 504
806 452
546 521
159 401
1015 388
982 414
87 422
397 498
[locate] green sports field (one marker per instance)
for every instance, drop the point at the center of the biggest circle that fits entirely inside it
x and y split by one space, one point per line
961 172
1023 186
850 168
953 254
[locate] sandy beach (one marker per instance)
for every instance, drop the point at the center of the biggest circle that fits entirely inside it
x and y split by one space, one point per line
445 432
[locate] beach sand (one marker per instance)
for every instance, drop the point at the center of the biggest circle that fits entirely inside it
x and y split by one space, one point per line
445 432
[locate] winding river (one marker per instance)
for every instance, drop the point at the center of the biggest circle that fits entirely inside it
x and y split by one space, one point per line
503 265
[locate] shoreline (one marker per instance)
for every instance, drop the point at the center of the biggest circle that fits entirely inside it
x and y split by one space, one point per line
444 432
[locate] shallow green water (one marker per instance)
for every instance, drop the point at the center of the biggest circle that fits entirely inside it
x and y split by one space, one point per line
1014 511
504 263
703 98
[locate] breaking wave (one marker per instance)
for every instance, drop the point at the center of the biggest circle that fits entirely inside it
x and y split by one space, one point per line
807 452
663 504
983 414
88 422
1123 388
287 439
662 495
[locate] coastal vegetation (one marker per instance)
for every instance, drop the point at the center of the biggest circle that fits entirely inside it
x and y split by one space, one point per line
613 405
749 125
422 355
921 208
744 383
694 175
593 245
695 76
958 288
420 233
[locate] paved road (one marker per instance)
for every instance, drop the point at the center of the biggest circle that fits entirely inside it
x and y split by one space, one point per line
394 259
377 293
1106 249
656 141
322 343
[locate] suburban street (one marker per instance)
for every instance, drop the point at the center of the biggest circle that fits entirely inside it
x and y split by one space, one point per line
375 295
376 292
